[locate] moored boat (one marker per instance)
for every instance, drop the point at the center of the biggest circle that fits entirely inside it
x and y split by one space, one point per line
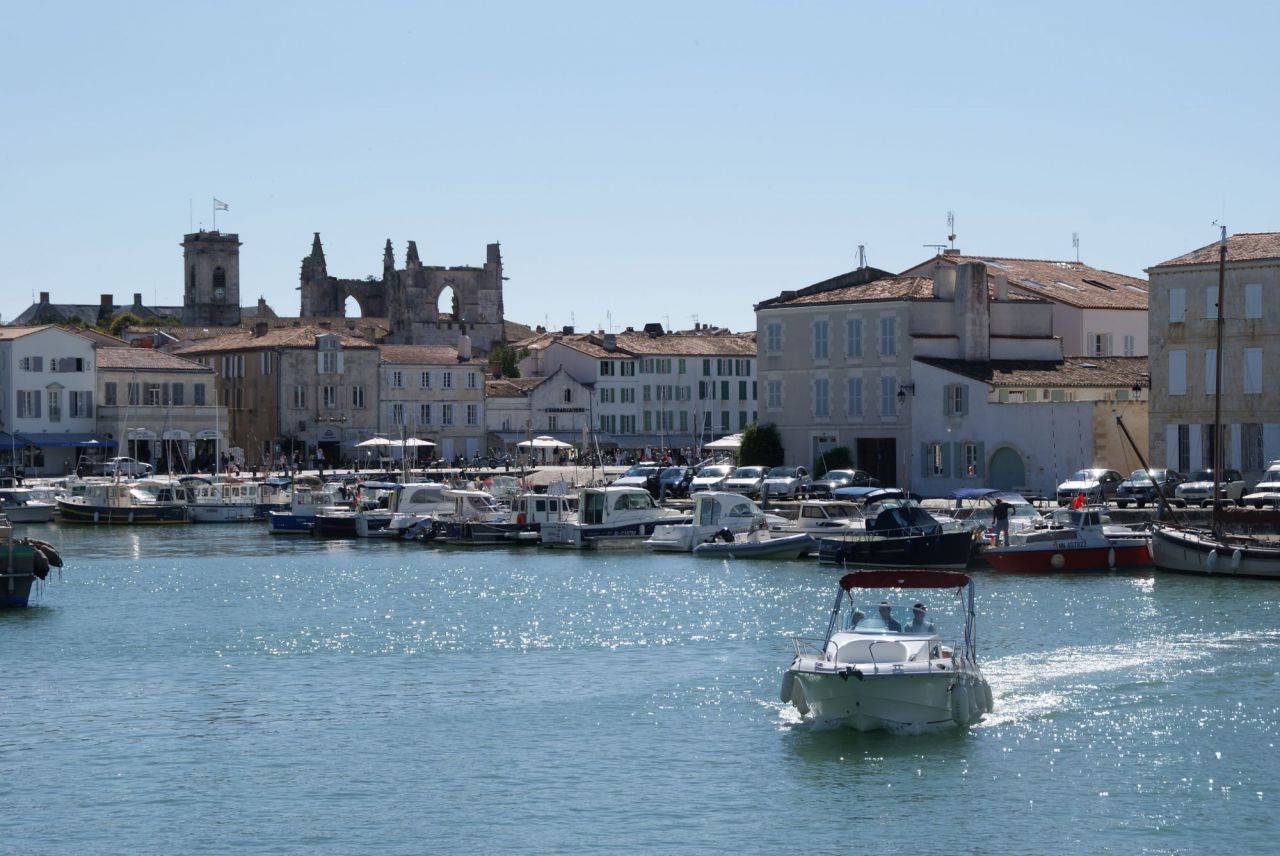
229 501
756 544
125 503
23 561
714 512
1072 540
898 533
19 505
613 516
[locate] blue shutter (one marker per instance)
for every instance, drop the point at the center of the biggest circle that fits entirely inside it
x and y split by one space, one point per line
964 399
946 459
980 467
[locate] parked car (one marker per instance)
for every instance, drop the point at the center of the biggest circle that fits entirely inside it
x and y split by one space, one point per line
125 467
1198 488
745 480
1141 485
1267 491
674 481
787 482
710 477
841 478
1097 485
643 475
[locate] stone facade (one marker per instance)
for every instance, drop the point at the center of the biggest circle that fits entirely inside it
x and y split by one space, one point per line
211 276
409 297
430 394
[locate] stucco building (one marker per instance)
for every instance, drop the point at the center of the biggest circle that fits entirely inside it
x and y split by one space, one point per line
431 393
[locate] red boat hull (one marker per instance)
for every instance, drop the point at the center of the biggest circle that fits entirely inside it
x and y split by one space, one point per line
1053 559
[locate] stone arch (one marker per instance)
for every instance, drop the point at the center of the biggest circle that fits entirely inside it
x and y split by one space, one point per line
1007 469
446 302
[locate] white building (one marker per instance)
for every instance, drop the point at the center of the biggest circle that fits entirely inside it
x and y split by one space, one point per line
656 389
47 379
428 393
521 408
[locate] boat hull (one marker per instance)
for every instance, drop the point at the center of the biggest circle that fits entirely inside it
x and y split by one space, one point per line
1190 551
783 547
887 701
73 512
1055 558
945 550
592 536
336 525
30 513
18 578
286 523
222 513
485 533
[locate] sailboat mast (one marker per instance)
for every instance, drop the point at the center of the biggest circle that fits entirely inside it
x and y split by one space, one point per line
1217 383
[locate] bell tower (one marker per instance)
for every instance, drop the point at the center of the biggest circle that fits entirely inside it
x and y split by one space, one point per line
211 275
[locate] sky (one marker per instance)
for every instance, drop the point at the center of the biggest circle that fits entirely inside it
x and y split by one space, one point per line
668 162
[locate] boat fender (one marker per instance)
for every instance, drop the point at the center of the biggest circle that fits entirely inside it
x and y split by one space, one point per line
50 553
1210 560
976 701
987 698
39 563
788 684
1057 560
959 704
520 518
1236 556
724 535
1111 558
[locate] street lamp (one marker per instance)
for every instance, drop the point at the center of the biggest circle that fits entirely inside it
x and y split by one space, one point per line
903 390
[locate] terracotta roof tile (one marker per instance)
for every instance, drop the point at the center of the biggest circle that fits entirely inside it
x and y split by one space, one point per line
419 355
1073 283
278 337
1071 372
510 387
146 358
640 344
1246 246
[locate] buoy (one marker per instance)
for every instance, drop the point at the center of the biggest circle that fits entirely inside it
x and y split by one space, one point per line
1210 559
520 517
1058 561
959 704
1236 556
1111 558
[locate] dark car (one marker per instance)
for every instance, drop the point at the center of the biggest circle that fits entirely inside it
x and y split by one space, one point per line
643 475
674 481
841 478
1140 487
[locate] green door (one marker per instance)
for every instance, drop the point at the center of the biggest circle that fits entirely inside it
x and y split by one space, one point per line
1007 470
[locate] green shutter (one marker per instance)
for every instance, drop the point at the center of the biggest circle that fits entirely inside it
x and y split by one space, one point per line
924 460
946 459
946 399
980 469
964 400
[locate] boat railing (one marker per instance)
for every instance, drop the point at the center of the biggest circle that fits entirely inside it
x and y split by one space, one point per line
810 647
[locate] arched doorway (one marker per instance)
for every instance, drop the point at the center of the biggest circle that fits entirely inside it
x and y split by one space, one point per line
1007 469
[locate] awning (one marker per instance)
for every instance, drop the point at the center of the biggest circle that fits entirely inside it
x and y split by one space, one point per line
209 434
140 434
176 434
65 441
10 441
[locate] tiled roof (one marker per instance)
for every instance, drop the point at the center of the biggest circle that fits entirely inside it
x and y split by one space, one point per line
1070 372
640 344
1246 246
279 337
19 332
1073 283
146 358
510 387
887 288
419 355
98 337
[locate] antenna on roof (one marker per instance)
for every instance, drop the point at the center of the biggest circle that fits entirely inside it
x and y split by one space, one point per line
862 256
951 228
938 248
1075 242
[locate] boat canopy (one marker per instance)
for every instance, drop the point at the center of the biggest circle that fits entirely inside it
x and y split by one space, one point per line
372 485
903 579
973 492
867 494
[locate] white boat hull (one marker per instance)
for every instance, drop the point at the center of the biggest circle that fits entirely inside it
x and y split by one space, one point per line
30 513
222 513
1193 551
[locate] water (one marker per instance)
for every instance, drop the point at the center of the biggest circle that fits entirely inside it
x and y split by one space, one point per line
212 689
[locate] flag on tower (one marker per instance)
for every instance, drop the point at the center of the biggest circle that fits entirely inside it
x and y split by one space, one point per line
219 205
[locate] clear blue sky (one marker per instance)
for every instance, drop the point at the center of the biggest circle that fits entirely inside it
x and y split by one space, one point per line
648 162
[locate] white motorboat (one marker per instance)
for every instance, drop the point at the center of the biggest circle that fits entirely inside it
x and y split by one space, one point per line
397 509
869 673
300 517
478 519
616 516
19 505
714 511
228 501
1072 539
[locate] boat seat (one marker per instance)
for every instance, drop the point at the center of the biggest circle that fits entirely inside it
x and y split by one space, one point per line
872 651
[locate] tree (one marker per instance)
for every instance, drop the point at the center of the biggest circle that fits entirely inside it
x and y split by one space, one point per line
120 322
506 360
839 458
761 447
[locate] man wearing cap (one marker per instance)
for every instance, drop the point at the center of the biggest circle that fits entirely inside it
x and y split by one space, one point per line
918 624
889 621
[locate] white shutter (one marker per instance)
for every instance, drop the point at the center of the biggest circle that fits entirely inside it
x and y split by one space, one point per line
340 356
1233 452
1177 372
1171 447
1195 448
1253 300
1177 305
1210 371
1211 303
1270 442
1252 381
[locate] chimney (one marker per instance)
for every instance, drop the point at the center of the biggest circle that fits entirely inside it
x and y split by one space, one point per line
107 302
951 251
972 312
1002 286
44 297
944 282
259 329
137 298
464 348
610 342
567 330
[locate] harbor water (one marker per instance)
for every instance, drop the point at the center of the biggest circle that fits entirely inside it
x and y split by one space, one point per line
206 689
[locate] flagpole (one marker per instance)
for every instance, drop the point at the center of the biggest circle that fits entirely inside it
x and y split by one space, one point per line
215 214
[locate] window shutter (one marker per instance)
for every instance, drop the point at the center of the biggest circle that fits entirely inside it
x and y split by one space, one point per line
22 405
924 460
964 400
1171 447
37 398
340 356
1177 305
319 362
946 399
88 404
946 459
980 465
37 365
1253 300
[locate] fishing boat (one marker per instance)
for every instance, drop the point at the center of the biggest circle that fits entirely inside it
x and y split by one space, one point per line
23 561
401 508
477 519
1080 540
19 505
229 501
1214 551
612 516
300 518
126 503
873 673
